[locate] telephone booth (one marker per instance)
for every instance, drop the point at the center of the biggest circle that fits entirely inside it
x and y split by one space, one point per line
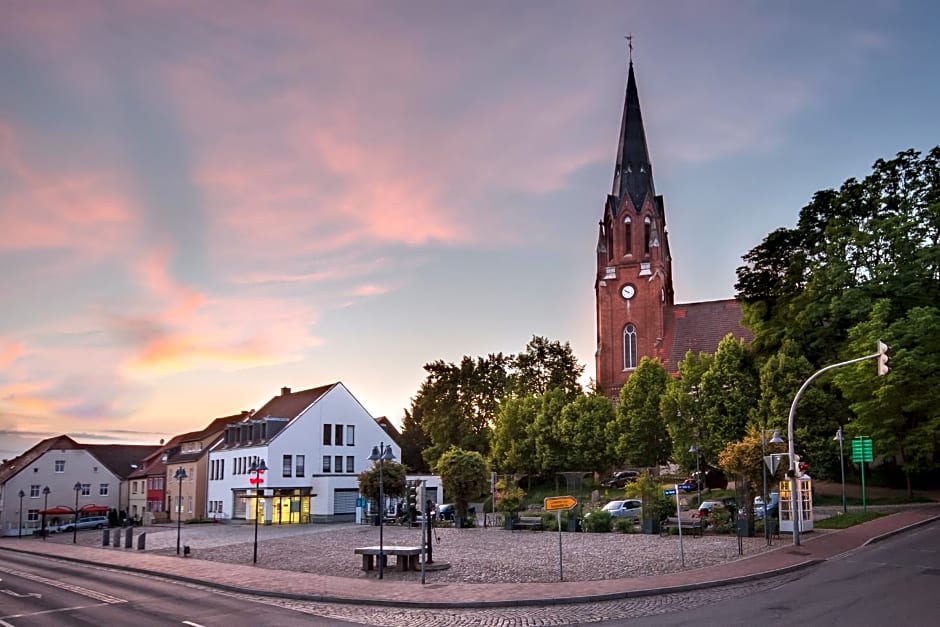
803 504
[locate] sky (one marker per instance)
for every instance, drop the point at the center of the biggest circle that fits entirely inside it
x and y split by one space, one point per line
203 202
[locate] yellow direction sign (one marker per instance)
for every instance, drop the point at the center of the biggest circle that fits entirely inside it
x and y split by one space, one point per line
555 503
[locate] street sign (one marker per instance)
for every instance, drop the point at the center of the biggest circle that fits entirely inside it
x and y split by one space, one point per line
558 503
773 461
256 480
862 450
669 492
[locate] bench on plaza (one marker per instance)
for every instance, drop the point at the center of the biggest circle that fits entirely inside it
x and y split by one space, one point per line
527 522
406 556
686 524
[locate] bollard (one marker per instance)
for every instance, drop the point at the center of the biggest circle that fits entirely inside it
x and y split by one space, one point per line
142 541
105 537
129 537
117 538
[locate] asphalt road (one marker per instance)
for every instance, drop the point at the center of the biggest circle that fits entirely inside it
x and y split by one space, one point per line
893 582
43 592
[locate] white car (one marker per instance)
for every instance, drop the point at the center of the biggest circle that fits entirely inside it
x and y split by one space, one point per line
91 522
629 508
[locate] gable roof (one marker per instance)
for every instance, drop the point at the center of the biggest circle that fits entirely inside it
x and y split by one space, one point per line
291 404
15 465
699 327
119 457
208 436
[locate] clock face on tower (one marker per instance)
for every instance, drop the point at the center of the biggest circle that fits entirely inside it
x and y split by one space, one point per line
627 291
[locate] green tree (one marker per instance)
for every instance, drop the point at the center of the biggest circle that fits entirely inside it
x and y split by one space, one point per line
638 433
582 430
459 402
544 365
549 447
680 407
513 442
414 441
393 480
728 392
464 475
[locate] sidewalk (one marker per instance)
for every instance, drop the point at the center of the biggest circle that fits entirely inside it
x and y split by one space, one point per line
311 587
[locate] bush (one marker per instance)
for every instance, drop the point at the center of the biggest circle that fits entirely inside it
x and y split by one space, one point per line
625 525
598 521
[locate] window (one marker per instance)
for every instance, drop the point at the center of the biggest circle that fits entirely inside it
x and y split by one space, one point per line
350 464
327 432
299 466
286 464
647 230
326 463
629 347
338 440
103 489
338 465
34 491
134 487
86 489
60 465
627 236
32 515
350 435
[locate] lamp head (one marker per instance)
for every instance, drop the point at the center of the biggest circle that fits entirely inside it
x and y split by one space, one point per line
838 437
388 455
776 439
258 466
22 494
180 473
374 457
77 486
46 489
693 449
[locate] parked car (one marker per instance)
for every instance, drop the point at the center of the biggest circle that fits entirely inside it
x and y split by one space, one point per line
620 479
628 508
707 507
773 506
91 522
689 485
446 511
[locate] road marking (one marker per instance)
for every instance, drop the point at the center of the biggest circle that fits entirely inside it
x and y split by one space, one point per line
18 595
93 594
192 624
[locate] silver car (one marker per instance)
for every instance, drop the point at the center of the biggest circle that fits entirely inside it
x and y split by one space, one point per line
91 522
629 508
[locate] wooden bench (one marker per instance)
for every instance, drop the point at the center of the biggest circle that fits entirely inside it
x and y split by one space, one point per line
691 524
406 556
527 522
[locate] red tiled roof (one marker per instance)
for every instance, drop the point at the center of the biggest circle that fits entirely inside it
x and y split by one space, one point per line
699 327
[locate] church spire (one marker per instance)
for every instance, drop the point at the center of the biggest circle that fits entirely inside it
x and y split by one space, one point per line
634 173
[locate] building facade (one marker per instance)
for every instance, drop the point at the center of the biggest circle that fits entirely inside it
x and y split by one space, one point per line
634 296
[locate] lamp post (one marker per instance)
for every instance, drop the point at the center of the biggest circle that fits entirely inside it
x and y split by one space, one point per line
78 488
381 453
838 438
775 439
45 506
21 495
180 475
257 467
698 475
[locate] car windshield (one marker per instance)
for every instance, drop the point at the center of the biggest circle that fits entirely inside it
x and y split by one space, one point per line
613 505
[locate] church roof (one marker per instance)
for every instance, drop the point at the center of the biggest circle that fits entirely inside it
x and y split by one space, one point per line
699 327
634 173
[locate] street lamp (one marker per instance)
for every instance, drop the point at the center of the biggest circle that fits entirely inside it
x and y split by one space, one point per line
45 506
22 494
78 488
775 439
381 453
180 475
838 438
257 467
698 475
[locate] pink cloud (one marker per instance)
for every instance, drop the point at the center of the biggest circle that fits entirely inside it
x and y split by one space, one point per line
370 290
10 351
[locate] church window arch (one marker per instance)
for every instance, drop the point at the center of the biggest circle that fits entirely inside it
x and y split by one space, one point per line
630 357
627 237
647 233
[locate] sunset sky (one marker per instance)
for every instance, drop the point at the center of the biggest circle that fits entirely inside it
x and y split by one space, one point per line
201 202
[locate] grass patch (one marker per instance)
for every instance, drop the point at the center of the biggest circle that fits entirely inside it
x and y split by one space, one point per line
844 521
836 499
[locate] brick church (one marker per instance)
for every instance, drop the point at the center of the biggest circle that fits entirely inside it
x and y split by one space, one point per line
637 314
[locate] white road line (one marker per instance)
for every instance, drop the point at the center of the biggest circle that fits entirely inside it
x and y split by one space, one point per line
55 611
191 624
92 594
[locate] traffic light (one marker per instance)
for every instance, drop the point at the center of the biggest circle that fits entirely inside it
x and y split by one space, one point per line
796 465
882 359
412 500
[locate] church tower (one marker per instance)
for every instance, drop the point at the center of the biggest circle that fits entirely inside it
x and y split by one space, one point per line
633 286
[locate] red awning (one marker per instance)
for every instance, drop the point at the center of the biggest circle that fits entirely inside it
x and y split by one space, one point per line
59 510
94 509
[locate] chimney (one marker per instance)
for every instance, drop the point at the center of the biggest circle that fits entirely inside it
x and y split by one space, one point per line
285 391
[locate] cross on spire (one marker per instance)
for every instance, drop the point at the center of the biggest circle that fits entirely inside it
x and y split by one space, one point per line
629 39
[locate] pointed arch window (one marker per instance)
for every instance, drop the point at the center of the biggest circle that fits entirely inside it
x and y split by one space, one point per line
627 236
647 233
629 347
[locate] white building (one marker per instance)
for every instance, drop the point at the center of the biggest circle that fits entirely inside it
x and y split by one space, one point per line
314 442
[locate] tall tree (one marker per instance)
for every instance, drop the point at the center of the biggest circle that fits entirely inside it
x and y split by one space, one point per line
544 365
414 441
638 434
549 447
464 475
513 443
680 407
582 430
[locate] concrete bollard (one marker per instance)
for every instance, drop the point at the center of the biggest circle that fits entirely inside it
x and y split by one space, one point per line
129 537
105 537
142 541
117 538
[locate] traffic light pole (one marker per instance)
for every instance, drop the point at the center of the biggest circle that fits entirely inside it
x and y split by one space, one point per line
796 506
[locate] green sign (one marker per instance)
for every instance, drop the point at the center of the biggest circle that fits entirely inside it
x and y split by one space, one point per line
861 450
